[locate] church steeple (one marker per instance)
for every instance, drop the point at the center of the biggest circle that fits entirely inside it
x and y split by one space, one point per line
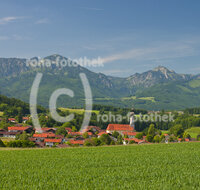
132 122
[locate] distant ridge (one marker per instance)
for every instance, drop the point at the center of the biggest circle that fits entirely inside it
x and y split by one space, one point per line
162 87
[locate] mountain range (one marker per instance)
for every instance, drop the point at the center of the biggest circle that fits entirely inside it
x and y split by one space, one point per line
156 89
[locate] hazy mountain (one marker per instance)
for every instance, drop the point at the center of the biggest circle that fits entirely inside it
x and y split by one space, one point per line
158 75
154 89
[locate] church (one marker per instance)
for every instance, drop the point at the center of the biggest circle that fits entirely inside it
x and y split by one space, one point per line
122 128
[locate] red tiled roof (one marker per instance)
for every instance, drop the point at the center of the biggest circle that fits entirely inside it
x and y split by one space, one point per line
90 133
32 139
68 129
88 128
11 119
134 139
130 133
187 140
59 136
119 127
166 135
47 129
75 133
101 133
44 135
53 140
77 141
17 128
25 118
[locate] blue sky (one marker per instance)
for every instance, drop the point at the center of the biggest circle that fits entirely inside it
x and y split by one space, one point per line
132 36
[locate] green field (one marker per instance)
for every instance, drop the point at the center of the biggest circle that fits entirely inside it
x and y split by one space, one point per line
78 111
194 83
194 132
165 131
1 113
152 99
158 166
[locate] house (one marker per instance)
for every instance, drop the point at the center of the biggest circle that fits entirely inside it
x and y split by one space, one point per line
78 138
90 134
2 131
12 120
52 142
75 133
77 142
130 134
8 134
68 129
32 139
93 129
41 136
20 129
138 141
166 138
18 125
46 130
39 144
120 128
25 119
101 133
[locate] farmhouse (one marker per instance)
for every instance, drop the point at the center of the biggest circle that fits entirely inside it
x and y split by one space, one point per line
130 134
75 133
46 130
8 134
78 142
120 128
93 129
138 141
101 133
20 129
12 120
25 119
52 142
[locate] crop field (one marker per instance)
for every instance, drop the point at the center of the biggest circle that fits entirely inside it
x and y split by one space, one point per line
164 131
78 111
156 166
1 113
194 131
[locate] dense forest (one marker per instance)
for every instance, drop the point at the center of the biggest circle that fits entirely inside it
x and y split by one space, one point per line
13 107
16 108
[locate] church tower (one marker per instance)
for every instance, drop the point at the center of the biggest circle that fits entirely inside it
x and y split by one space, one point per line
132 121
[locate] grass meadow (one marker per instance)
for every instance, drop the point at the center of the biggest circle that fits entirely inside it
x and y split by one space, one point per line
154 166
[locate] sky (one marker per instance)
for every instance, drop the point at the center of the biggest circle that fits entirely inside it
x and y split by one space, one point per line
129 35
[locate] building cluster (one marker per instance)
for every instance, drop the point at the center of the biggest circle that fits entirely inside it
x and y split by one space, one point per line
49 137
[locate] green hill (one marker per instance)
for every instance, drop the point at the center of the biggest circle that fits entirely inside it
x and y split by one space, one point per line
156 89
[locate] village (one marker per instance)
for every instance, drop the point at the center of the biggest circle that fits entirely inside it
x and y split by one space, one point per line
123 134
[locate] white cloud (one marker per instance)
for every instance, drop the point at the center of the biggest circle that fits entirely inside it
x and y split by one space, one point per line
6 20
165 50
